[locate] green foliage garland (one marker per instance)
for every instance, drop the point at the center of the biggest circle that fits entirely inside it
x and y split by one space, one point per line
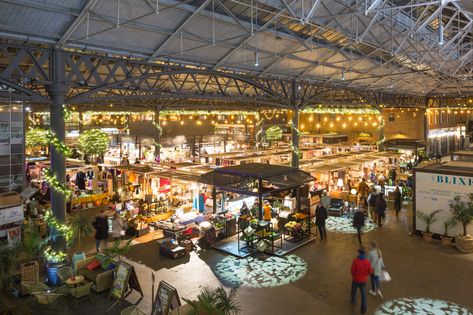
59 228
93 142
66 113
51 179
60 146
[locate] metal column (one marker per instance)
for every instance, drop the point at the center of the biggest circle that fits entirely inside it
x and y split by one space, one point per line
57 92
157 136
295 123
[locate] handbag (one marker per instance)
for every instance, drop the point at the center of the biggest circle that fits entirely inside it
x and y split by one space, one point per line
385 276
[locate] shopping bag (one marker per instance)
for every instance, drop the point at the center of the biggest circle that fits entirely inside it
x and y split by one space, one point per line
385 276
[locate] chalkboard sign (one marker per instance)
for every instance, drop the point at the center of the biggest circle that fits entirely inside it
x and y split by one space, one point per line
166 299
120 283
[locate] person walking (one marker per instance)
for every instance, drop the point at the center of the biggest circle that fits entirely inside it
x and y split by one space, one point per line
397 201
101 230
372 204
359 223
117 227
375 258
380 209
360 271
321 214
363 188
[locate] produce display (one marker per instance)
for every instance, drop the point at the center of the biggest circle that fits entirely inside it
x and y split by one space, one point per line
292 225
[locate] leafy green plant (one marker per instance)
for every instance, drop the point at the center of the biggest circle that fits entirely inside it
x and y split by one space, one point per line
214 302
32 242
36 137
428 218
273 133
449 223
462 212
118 250
81 226
8 260
93 142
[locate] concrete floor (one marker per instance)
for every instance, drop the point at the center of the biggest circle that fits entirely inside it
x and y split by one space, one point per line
419 269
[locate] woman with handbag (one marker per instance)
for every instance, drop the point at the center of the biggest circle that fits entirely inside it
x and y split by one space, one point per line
375 257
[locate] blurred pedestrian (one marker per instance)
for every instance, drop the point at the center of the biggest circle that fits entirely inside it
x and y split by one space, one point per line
375 258
397 201
321 214
380 209
101 230
359 223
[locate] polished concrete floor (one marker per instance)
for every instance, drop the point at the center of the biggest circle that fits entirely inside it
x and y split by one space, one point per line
419 269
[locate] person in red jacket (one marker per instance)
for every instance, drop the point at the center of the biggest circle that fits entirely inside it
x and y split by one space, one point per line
360 270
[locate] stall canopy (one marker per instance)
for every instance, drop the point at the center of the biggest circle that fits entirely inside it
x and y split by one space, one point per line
409 144
244 178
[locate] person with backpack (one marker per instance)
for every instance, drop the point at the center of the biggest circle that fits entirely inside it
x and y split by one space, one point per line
375 258
372 204
321 214
360 271
380 209
359 223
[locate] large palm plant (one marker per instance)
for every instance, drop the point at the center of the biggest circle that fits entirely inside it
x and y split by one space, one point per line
81 226
214 302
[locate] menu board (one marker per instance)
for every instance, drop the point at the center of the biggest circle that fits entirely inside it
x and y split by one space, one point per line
436 191
120 283
166 299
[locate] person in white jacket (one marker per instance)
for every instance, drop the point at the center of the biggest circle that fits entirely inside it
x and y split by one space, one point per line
117 227
375 257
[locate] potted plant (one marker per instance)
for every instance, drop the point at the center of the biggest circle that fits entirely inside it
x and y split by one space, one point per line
214 302
81 227
428 220
8 260
118 250
463 212
447 240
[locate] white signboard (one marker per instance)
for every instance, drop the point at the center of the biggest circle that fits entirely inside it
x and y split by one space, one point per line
436 191
12 214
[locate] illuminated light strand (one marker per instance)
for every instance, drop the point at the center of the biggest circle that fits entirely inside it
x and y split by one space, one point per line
54 256
51 179
342 111
66 113
274 133
58 145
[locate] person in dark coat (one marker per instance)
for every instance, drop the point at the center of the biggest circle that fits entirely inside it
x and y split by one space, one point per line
321 214
397 201
101 230
359 223
380 208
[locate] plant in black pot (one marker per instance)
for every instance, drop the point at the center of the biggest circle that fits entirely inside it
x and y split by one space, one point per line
81 227
463 212
447 224
428 220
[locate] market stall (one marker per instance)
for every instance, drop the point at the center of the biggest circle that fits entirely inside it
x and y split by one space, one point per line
258 231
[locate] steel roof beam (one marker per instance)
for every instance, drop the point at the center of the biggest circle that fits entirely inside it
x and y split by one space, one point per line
77 21
178 29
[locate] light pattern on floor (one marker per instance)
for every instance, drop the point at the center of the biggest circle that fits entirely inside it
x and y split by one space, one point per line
258 273
345 225
421 306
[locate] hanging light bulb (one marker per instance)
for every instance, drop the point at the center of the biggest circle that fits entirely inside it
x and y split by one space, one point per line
256 59
343 74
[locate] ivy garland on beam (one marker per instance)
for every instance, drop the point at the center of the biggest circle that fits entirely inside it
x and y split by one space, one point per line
61 147
57 229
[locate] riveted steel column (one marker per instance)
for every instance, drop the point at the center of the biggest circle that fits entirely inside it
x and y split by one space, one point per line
57 92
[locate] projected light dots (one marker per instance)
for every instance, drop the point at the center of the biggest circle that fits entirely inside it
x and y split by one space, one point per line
258 273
